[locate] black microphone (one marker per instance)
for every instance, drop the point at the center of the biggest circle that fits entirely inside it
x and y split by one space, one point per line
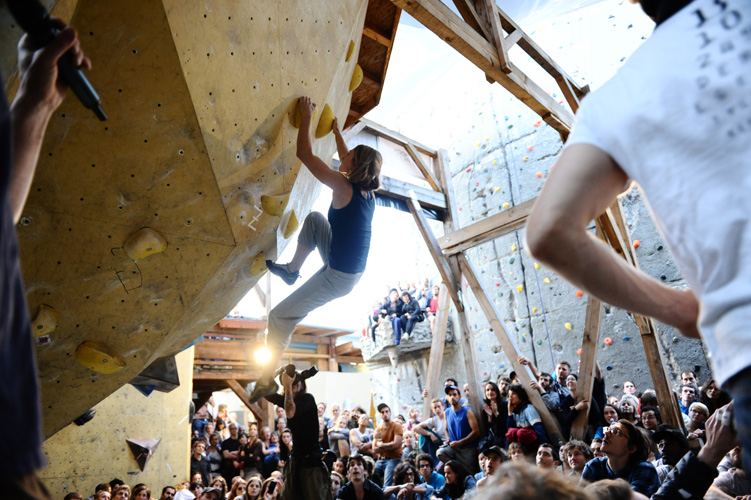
34 19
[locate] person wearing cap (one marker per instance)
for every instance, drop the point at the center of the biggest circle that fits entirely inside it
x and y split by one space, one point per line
672 445
359 486
494 457
463 430
211 494
305 475
388 444
626 453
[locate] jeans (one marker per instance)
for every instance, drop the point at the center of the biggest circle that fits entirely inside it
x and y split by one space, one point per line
386 467
739 388
396 324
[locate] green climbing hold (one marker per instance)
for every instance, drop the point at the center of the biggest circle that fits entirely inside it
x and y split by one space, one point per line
511 126
539 341
511 260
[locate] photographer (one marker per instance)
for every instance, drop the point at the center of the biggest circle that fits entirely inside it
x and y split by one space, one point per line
305 475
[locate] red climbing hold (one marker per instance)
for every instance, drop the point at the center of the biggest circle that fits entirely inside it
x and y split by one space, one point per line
477 184
530 148
637 243
579 293
608 341
497 284
469 169
579 351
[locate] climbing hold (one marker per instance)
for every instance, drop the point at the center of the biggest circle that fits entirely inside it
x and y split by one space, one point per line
524 339
530 148
274 205
525 158
494 162
626 338
475 326
506 205
479 348
496 189
258 266
520 288
579 293
637 243
537 123
350 51
609 367
511 273
534 309
95 357
356 78
477 144
552 166
568 326
46 321
326 122
468 169
144 242
539 341
537 266
579 351
477 184
547 280
501 365
292 225
484 374
296 117
513 248
511 260
538 175
497 284
608 341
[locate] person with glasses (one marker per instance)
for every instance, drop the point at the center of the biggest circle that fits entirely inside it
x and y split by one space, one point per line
626 454
425 464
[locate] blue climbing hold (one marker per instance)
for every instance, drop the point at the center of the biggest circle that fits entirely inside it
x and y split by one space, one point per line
475 326
626 338
479 348
609 367
501 365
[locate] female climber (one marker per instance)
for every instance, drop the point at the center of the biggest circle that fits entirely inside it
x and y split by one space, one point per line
343 240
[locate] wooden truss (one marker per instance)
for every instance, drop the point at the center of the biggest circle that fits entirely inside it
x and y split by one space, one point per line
484 34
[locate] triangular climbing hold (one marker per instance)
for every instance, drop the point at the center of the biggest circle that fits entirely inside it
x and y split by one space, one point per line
143 450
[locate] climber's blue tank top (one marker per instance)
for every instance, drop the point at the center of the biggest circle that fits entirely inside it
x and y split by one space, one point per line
350 233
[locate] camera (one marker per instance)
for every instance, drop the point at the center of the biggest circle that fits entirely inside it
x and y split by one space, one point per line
298 376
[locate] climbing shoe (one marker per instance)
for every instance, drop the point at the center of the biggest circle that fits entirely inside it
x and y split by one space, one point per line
283 271
261 390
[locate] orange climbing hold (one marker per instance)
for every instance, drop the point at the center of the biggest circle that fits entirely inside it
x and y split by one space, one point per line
579 293
538 174
608 341
579 351
537 123
637 243
530 148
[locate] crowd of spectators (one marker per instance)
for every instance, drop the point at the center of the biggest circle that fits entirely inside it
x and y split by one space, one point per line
623 451
404 306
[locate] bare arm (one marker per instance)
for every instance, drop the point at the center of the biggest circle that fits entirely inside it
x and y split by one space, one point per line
583 184
341 146
472 435
40 93
289 402
331 178
526 361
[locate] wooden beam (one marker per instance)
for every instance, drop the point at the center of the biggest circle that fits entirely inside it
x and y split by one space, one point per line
376 36
261 294
435 251
467 11
487 9
423 168
451 28
396 137
226 375
353 131
437 345
243 395
345 348
400 190
588 360
490 228
508 346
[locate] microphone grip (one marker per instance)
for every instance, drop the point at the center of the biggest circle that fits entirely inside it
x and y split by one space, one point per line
80 85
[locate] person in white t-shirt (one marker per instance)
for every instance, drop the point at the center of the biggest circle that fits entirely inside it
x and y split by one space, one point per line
676 119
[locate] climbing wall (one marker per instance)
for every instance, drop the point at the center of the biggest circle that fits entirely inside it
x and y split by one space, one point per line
142 231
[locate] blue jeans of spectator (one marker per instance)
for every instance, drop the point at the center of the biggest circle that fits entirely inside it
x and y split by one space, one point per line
396 324
386 467
739 388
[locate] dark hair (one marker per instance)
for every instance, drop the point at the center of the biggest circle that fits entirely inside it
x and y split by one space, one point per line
74 495
115 483
696 391
649 398
572 374
425 457
564 363
498 397
617 412
660 10
656 411
366 167
711 405
637 439
583 447
545 374
142 487
452 380
518 389
456 489
164 490
400 473
103 486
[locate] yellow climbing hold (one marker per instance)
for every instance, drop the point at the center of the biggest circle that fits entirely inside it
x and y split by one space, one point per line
520 288
144 242
534 309
296 117
274 205
547 280
568 326
95 357
292 224
495 190
356 78
46 321
477 144
494 162
513 248
350 50
525 158
326 122
506 205
537 266
258 266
